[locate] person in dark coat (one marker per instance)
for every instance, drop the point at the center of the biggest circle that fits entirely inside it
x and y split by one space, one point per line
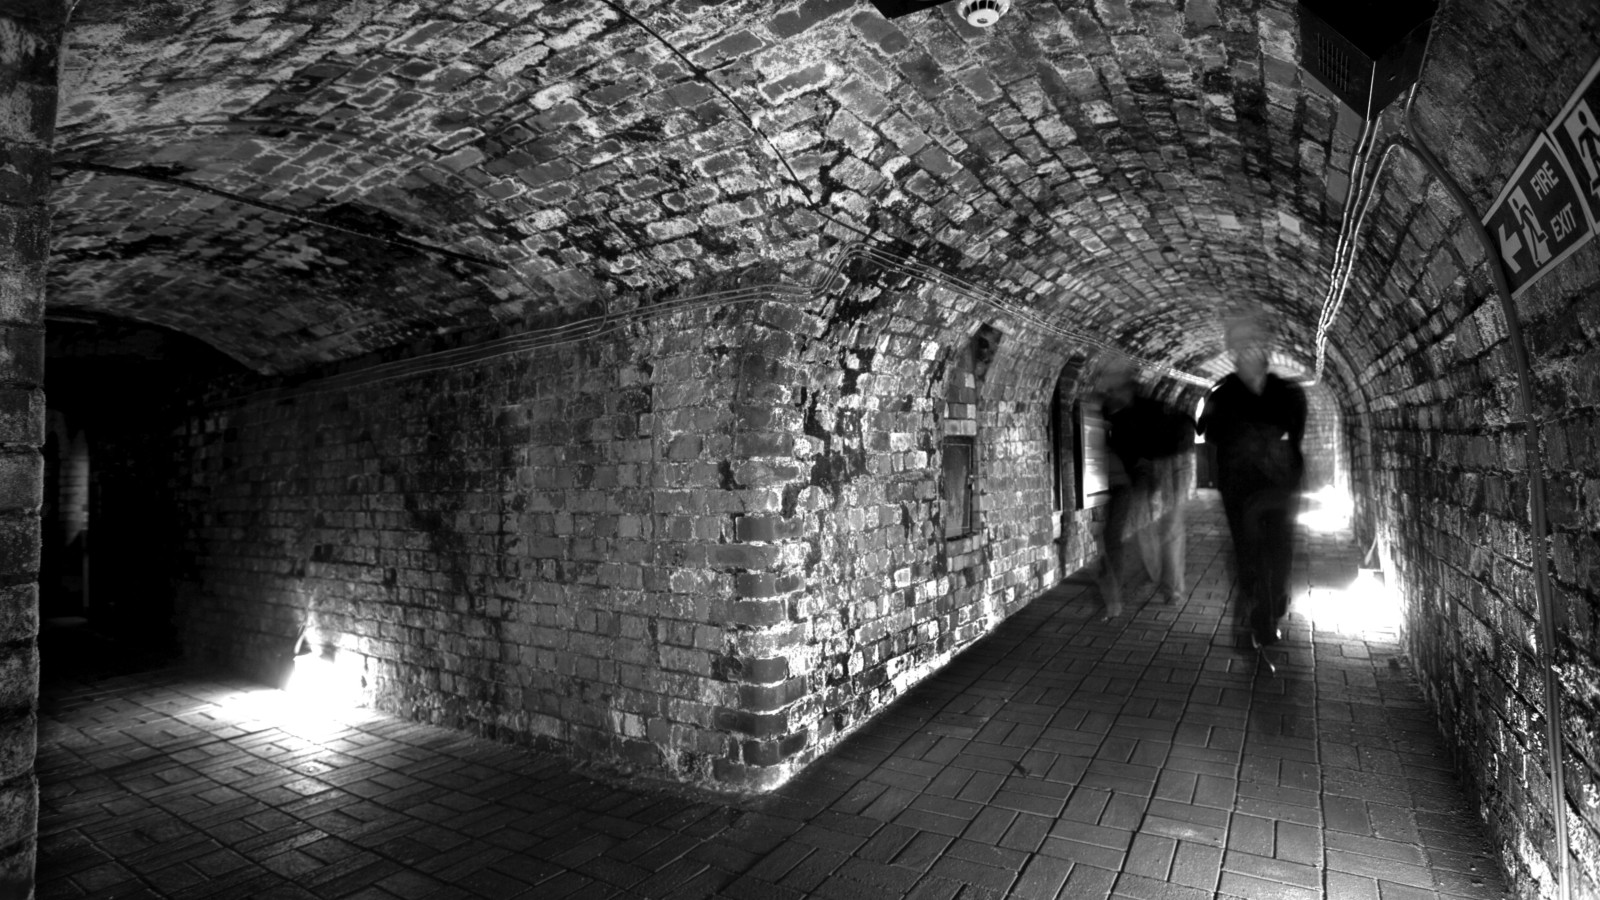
1140 431
1256 421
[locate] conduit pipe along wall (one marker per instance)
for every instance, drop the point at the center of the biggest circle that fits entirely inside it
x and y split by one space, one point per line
1539 526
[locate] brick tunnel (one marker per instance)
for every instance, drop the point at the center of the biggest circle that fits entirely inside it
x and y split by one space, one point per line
677 386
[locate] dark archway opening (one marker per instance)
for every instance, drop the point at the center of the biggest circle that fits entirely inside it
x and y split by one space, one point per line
117 395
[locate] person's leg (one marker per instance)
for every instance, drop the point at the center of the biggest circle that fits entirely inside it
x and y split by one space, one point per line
1274 521
1113 563
1246 557
1254 586
1278 555
1174 542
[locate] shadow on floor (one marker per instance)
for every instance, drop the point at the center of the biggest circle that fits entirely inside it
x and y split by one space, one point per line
76 648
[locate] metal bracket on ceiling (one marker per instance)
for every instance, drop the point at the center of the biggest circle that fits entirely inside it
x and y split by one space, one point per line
894 9
1367 52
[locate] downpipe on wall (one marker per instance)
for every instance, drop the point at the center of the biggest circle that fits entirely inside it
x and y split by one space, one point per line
1410 140
1536 502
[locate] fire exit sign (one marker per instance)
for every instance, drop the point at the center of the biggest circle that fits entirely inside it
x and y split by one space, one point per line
1576 133
1539 218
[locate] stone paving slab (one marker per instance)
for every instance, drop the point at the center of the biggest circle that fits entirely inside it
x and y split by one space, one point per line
1144 757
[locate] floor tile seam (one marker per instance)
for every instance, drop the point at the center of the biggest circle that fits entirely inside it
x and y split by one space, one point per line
997 663
1188 695
1146 813
1126 623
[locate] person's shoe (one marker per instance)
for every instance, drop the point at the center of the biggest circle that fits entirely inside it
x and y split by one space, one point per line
1113 610
1266 637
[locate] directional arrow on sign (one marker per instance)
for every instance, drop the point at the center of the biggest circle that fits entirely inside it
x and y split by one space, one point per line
1509 248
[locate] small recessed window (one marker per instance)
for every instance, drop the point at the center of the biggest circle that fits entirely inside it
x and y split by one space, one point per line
960 467
1061 433
1093 456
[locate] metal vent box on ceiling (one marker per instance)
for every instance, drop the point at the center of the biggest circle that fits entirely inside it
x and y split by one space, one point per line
893 9
1365 51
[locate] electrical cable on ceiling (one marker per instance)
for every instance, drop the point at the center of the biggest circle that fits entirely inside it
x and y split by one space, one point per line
396 240
863 248
750 123
703 75
1340 277
1357 196
1028 317
611 323
90 141
596 327
663 275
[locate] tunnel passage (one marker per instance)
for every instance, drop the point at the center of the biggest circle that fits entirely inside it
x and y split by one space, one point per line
617 373
116 392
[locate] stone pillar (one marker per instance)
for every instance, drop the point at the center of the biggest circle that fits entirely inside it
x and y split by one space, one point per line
31 37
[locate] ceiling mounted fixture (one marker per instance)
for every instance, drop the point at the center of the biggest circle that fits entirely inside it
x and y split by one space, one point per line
1365 51
983 13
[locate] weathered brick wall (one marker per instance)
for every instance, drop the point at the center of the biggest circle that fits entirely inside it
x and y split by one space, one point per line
1447 474
902 598
705 546
1365 502
31 34
1324 441
541 546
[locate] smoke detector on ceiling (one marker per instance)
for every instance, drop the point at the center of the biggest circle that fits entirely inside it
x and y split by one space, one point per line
983 13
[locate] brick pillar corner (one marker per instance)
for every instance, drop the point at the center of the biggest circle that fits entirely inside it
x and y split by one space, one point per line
31 38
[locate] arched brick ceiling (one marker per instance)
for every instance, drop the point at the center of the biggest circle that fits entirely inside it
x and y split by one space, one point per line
297 181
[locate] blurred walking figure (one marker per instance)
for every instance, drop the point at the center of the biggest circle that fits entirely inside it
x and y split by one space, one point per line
1256 421
1140 432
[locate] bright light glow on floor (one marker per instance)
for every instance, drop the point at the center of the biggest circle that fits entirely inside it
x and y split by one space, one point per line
323 683
321 698
291 714
1327 510
1366 608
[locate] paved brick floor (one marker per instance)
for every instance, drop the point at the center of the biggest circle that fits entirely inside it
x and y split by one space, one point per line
1065 756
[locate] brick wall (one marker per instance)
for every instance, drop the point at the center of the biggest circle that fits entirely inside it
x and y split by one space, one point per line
30 41
1324 442
705 546
1445 475
543 546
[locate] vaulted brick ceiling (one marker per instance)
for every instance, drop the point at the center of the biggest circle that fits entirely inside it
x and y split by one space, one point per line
296 181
